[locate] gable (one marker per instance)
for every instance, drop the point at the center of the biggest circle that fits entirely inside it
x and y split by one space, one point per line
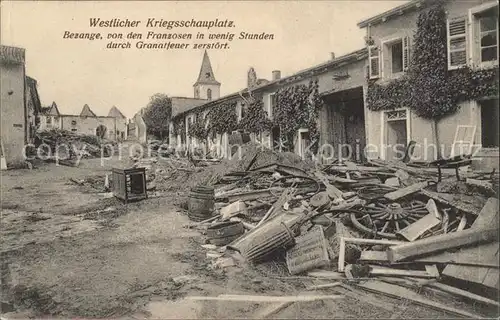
116 113
86 112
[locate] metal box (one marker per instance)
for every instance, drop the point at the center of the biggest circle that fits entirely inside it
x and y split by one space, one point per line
129 184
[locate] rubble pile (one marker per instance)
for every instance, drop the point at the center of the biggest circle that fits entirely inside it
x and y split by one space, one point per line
68 145
384 227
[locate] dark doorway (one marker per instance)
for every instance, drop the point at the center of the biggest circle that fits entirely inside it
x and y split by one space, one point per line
101 131
489 123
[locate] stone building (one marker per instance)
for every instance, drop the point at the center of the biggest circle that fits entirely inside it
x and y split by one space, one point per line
472 41
111 127
14 113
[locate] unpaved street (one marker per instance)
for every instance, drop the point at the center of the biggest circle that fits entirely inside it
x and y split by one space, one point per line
73 251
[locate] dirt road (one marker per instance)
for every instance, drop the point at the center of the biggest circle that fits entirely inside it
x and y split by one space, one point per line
71 251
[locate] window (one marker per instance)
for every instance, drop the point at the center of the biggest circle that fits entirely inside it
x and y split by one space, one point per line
396 50
73 122
272 105
488 28
484 34
74 130
457 42
49 120
374 62
209 94
243 110
396 54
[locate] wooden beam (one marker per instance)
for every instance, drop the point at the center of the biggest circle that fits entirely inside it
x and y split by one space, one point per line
460 292
398 292
324 286
441 243
374 241
458 258
394 195
254 298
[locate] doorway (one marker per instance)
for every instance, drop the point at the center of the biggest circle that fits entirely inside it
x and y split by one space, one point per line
304 140
396 135
489 123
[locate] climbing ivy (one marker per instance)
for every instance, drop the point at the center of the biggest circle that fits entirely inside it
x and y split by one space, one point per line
297 107
255 119
223 118
198 128
429 88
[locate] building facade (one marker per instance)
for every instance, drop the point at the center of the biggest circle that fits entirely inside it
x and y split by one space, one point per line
112 127
472 41
14 113
340 120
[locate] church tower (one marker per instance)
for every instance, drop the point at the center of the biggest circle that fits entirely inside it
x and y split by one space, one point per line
206 87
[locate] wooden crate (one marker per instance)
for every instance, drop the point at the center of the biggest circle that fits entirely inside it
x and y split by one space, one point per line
309 252
129 184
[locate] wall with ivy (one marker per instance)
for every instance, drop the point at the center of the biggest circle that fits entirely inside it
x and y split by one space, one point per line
429 89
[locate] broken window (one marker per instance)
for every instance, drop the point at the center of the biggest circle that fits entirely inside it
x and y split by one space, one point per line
488 27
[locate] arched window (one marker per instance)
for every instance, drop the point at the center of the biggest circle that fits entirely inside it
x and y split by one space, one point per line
209 94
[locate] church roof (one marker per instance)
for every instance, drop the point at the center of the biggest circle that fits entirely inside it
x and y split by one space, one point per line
116 113
87 112
206 75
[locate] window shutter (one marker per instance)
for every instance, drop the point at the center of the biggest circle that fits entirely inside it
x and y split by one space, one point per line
374 62
457 42
406 53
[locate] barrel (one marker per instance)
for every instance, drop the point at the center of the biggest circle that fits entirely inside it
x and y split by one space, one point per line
201 203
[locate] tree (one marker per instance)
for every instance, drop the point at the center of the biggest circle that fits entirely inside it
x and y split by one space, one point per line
157 115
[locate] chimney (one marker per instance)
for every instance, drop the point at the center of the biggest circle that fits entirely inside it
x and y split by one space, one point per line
332 54
276 75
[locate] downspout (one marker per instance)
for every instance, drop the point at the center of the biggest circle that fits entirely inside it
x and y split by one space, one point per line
25 106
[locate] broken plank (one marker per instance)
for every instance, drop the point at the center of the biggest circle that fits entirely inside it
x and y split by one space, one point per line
272 310
358 168
333 192
488 216
399 292
362 296
459 292
486 185
327 275
255 298
474 258
440 243
251 195
394 195
419 227
383 271
374 241
324 286
463 202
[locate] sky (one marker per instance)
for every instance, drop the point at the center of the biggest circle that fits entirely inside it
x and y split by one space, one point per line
74 72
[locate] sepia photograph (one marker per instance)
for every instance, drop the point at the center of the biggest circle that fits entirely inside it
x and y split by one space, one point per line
249 159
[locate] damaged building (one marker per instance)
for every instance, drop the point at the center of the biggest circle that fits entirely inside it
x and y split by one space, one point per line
111 127
471 44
